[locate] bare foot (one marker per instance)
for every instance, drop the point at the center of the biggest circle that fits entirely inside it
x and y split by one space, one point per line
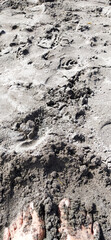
91 232
27 226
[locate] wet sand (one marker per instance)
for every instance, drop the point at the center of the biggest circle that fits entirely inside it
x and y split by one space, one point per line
55 110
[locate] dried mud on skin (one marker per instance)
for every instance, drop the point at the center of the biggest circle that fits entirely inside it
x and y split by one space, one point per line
55 111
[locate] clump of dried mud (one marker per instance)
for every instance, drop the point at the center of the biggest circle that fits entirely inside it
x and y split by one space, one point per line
55 112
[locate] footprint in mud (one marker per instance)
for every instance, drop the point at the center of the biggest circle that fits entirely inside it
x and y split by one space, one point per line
28 127
43 1
67 63
28 226
108 161
93 41
105 133
23 44
16 4
50 39
26 130
2 32
31 130
84 28
22 51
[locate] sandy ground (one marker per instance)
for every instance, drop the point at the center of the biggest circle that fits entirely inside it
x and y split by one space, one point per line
55 109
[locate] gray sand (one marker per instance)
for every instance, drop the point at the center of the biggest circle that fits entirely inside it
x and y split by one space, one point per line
55 109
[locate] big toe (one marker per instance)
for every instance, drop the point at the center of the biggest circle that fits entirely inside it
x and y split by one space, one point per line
37 225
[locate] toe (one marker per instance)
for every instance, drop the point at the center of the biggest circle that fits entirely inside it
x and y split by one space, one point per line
89 223
6 235
19 220
13 228
89 219
35 218
37 224
26 216
96 231
63 209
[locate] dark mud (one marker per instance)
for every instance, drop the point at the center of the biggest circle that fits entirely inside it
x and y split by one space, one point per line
49 131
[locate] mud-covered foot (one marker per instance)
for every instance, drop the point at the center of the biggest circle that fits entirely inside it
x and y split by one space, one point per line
27 226
88 232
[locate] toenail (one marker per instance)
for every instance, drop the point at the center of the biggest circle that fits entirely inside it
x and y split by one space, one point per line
31 205
67 203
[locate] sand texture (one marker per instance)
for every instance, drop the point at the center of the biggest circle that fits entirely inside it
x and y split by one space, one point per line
55 110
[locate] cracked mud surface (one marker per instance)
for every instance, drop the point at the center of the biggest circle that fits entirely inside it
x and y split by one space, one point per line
55 111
